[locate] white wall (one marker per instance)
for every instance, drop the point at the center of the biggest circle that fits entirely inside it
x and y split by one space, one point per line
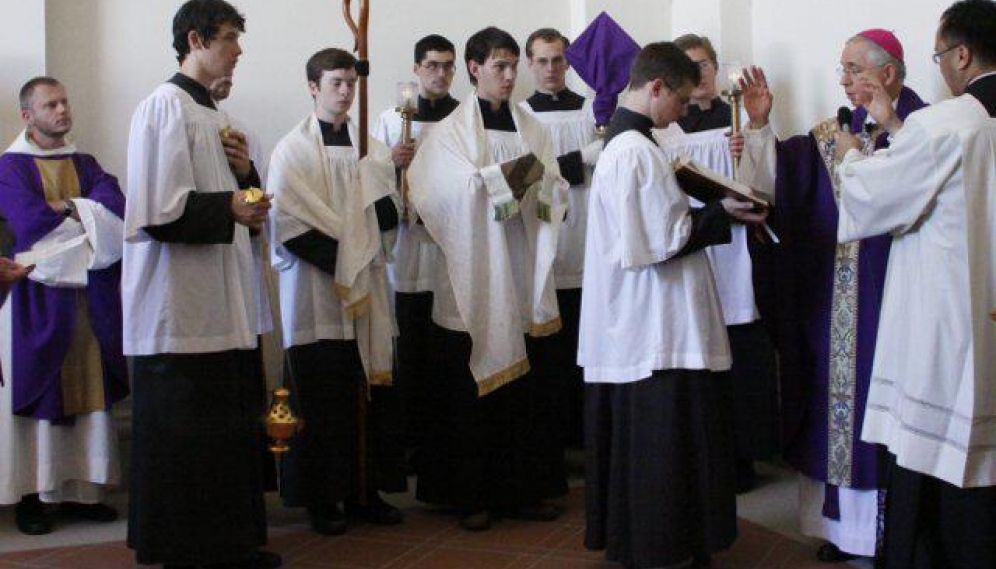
112 53
22 56
799 44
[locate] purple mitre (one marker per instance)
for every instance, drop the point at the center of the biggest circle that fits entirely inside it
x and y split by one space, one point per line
601 56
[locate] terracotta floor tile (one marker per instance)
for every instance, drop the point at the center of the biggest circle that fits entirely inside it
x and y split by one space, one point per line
565 562
32 557
353 552
452 557
419 526
573 546
113 556
508 535
288 542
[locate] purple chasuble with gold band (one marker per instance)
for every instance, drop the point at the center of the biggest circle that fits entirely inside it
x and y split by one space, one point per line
50 323
827 313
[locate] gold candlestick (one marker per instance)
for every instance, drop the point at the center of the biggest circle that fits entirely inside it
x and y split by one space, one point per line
407 106
734 95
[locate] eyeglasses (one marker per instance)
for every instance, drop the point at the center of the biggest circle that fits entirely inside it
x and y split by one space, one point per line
437 66
937 56
854 70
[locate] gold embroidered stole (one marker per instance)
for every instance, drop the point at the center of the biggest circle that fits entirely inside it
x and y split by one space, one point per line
844 315
82 372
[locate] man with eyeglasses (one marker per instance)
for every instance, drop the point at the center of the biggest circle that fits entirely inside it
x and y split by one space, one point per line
932 400
571 123
829 297
486 184
706 110
415 266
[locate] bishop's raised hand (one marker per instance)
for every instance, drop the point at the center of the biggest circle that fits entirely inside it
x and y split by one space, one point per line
757 98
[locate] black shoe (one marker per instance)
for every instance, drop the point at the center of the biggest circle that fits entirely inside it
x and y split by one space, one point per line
746 476
476 521
31 517
535 512
830 553
92 512
327 520
375 511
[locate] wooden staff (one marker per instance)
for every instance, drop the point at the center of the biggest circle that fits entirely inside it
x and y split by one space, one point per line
363 65
362 70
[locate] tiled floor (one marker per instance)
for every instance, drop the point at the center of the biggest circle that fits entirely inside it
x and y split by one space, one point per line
432 540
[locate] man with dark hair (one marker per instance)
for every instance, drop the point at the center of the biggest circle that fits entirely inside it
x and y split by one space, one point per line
330 209
830 297
702 136
932 400
205 18
571 123
485 183
190 291
60 335
658 403
414 266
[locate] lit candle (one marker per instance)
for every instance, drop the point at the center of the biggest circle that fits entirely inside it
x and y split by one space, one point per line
406 94
734 73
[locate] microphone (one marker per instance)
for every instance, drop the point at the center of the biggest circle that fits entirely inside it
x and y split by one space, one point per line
844 117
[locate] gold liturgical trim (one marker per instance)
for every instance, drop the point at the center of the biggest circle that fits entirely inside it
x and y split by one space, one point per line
58 178
82 372
545 328
504 377
380 378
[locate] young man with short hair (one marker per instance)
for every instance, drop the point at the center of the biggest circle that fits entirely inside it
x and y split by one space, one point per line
487 188
653 345
330 209
569 119
190 291
414 268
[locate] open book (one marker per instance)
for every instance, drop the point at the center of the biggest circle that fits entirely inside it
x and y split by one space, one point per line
707 185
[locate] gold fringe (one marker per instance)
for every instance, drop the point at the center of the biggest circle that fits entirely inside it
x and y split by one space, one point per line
504 377
341 291
380 378
358 308
545 328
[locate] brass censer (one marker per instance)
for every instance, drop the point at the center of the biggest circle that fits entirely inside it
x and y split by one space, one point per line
281 423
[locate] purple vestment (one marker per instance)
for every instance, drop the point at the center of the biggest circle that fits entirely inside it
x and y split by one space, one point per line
44 317
805 218
601 56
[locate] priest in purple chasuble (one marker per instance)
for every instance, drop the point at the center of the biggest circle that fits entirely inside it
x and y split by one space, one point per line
829 298
61 327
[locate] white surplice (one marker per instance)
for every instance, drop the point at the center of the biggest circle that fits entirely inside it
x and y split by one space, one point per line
500 272
180 298
731 262
331 190
644 310
415 259
570 131
932 399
